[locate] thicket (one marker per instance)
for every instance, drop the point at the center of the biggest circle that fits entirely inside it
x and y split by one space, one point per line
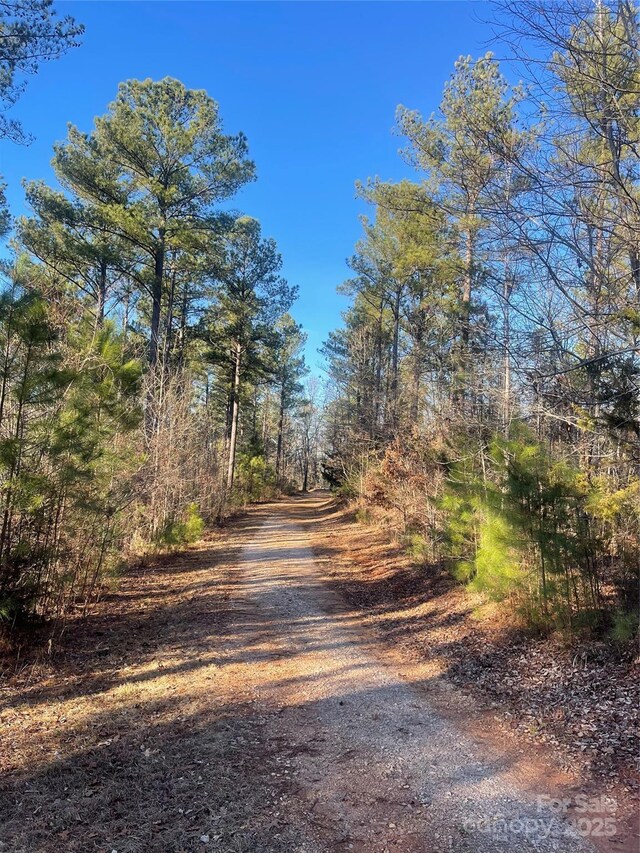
486 401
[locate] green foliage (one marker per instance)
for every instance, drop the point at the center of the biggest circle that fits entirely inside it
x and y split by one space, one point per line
363 515
31 34
487 367
247 331
417 547
255 479
482 537
143 339
625 626
14 608
520 526
68 402
613 505
347 489
183 531
498 562
459 529
149 177
194 524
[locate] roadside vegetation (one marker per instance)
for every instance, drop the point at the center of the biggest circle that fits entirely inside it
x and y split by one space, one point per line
151 376
307 672
485 403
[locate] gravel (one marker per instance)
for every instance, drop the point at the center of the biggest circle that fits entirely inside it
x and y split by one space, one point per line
371 764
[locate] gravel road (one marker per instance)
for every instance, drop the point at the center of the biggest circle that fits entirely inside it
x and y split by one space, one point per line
370 763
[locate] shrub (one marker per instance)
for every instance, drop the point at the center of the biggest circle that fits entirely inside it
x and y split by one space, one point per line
417 547
193 524
497 564
625 626
181 531
255 478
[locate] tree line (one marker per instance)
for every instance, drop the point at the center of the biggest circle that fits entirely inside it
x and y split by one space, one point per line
151 375
485 383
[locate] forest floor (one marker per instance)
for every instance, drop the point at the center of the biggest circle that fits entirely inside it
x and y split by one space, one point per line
275 689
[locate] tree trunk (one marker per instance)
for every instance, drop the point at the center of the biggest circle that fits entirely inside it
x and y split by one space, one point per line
507 289
5 366
168 323
265 412
16 464
395 357
235 409
183 327
156 300
378 387
102 294
418 350
467 292
125 318
279 449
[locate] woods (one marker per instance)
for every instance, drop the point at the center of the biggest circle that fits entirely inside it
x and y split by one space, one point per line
485 381
482 394
150 369
319 437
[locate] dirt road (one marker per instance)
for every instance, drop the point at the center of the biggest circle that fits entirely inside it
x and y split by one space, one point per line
241 706
375 766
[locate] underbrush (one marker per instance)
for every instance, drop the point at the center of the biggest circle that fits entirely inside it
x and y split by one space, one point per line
516 526
180 531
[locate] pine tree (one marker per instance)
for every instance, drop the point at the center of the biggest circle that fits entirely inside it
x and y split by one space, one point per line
250 296
154 169
465 153
288 370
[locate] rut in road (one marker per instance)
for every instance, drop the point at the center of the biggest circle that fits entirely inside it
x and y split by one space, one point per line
371 764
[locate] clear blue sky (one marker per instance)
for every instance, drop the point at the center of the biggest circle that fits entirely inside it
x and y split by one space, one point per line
314 85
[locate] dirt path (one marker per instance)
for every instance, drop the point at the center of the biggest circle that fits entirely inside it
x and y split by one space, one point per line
240 706
375 766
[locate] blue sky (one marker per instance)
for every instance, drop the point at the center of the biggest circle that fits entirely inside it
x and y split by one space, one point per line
314 85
